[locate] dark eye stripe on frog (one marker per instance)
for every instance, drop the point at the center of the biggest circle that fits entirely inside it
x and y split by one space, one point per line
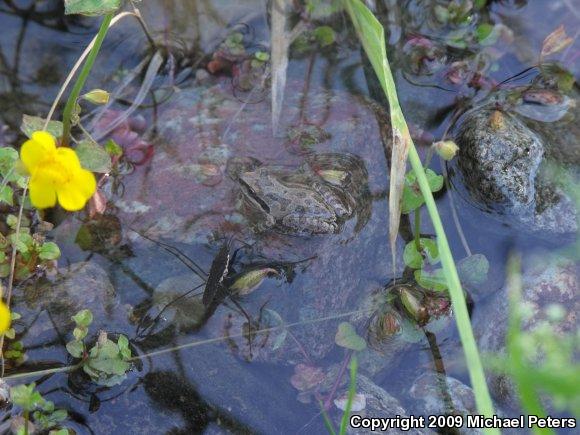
254 196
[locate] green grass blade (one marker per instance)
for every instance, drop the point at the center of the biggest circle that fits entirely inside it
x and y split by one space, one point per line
327 423
351 393
371 34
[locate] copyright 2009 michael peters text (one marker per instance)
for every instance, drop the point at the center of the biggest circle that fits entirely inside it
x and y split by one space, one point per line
405 423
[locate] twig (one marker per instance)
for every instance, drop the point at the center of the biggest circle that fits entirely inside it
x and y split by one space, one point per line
195 344
12 268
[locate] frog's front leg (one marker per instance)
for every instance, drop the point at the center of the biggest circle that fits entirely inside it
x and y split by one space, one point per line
340 208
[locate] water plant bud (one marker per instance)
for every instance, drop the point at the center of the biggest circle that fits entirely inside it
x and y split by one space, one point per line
249 281
446 149
333 176
97 96
413 306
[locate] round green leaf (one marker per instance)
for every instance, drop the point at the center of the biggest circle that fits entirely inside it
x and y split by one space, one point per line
347 337
49 251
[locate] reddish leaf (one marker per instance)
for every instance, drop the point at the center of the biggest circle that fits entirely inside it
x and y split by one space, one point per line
97 204
306 377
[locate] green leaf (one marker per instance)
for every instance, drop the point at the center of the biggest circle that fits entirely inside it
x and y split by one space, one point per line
483 31
30 124
113 148
11 221
15 316
80 332
325 35
473 270
431 280
6 195
26 396
347 337
123 344
49 251
412 196
22 243
10 333
414 259
91 7
83 318
8 158
62 431
75 348
262 56
93 157
4 270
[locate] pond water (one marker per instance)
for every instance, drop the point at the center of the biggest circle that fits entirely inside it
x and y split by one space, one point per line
176 196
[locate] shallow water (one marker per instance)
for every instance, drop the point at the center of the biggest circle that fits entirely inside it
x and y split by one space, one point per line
177 191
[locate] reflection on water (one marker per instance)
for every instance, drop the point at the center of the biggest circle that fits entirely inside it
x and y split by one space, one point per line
235 323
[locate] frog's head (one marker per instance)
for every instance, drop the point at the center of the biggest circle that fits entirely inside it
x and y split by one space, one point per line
254 187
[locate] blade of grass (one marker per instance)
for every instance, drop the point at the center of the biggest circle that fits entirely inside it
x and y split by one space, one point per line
371 34
351 393
327 422
85 71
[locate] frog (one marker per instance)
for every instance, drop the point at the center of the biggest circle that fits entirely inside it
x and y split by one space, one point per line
312 199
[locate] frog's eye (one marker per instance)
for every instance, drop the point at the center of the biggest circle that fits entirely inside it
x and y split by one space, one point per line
254 196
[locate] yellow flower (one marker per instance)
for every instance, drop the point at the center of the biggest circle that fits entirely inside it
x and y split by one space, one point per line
55 173
4 318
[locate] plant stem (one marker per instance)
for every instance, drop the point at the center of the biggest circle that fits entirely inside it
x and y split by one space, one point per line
26 420
12 272
418 230
372 36
85 71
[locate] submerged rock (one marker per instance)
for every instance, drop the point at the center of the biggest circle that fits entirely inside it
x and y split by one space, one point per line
374 401
426 392
505 170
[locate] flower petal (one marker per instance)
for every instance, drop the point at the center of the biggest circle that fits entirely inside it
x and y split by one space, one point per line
86 182
36 149
74 194
68 157
4 318
42 193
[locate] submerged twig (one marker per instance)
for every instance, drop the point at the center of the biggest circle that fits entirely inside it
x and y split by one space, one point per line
195 344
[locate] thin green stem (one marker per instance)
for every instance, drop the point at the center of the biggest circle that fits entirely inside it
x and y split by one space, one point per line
350 397
85 71
26 420
418 230
476 374
372 36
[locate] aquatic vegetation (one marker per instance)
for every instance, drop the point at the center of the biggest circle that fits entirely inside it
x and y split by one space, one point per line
106 362
163 169
372 37
38 413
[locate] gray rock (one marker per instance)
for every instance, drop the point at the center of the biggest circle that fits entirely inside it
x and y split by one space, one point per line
79 286
510 169
378 403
